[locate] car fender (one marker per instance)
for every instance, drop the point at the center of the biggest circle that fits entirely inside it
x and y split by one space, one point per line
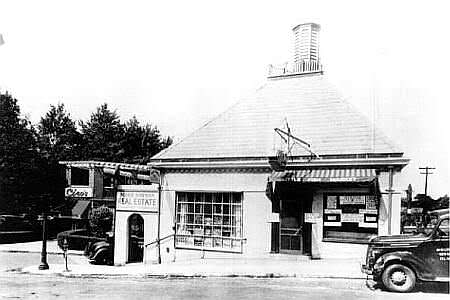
407 258
98 247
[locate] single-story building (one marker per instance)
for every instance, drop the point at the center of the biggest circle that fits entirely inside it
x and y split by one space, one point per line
292 169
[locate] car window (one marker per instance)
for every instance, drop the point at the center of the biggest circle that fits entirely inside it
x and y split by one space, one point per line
442 230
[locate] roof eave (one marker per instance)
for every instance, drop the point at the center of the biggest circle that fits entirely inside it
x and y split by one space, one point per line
397 162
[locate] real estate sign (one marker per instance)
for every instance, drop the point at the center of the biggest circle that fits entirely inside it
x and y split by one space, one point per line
138 198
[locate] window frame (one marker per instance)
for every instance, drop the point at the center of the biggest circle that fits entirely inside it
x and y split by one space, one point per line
367 231
216 213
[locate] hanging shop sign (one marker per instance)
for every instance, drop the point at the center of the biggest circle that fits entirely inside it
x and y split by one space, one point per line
155 176
139 199
78 192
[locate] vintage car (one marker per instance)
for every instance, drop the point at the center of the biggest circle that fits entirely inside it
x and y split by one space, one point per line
399 261
97 250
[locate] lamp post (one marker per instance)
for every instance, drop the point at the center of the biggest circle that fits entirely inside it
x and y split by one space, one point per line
44 264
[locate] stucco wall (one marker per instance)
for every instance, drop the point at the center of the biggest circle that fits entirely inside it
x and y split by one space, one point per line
256 207
257 213
121 236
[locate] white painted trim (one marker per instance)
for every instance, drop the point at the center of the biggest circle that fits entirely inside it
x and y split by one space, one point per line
399 162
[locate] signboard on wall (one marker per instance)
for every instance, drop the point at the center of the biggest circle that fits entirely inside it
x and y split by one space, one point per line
370 218
352 199
352 218
332 217
140 199
312 218
79 192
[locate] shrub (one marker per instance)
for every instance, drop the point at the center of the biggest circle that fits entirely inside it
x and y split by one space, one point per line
100 220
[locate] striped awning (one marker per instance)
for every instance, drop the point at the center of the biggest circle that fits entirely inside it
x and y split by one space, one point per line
324 175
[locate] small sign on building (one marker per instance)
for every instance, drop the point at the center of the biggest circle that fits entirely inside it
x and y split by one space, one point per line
138 198
313 218
79 192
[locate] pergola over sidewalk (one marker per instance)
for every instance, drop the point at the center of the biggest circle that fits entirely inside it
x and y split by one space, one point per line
98 191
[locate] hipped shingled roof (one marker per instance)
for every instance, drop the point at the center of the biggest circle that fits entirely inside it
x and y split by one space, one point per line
314 109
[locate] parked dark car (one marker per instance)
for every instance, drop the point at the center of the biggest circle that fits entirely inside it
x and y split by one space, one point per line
98 250
399 261
19 228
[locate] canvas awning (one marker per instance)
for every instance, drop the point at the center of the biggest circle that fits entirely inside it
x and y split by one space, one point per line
80 208
324 175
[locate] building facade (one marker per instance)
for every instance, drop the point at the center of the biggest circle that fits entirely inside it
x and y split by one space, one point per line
293 169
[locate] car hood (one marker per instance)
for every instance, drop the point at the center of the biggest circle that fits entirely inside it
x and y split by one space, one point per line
401 238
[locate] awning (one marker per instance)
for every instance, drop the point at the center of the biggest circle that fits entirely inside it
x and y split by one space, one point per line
80 208
324 175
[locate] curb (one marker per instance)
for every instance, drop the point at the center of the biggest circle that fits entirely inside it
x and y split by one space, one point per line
185 276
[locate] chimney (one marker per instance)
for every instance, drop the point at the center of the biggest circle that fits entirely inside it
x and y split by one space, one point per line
306 43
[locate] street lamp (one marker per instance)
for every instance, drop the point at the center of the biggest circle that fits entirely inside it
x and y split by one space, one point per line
44 264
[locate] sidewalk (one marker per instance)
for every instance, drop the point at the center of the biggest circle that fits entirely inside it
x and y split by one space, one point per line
270 265
36 247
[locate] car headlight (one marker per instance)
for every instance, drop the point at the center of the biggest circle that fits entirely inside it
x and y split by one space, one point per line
372 255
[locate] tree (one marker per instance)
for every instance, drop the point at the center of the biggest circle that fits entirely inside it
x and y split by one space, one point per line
59 138
102 136
20 184
142 142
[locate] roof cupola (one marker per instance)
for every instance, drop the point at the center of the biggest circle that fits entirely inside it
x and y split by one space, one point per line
306 53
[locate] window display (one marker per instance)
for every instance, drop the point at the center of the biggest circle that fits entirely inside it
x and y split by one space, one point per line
209 221
350 217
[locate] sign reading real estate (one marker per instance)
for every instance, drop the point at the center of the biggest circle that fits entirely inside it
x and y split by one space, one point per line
79 192
138 200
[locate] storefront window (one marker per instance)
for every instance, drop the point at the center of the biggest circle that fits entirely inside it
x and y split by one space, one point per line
350 217
209 221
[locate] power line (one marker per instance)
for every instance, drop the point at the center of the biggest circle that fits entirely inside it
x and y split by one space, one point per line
426 173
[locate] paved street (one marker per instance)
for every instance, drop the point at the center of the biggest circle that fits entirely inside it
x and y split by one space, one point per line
15 286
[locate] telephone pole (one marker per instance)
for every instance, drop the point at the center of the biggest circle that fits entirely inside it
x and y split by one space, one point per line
426 173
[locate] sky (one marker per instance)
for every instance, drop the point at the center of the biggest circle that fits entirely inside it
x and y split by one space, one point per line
177 64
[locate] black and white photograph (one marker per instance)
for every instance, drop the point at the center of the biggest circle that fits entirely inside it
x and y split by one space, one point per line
224 149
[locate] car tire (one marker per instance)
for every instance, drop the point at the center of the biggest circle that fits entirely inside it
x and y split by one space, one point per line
399 278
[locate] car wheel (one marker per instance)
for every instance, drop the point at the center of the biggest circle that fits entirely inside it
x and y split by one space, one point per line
399 278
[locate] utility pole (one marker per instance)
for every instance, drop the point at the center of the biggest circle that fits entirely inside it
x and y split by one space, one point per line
426 173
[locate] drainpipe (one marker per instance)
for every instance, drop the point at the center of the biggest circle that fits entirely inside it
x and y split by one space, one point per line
390 191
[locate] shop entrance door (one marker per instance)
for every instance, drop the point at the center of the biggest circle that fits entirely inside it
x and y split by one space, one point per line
135 238
291 226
